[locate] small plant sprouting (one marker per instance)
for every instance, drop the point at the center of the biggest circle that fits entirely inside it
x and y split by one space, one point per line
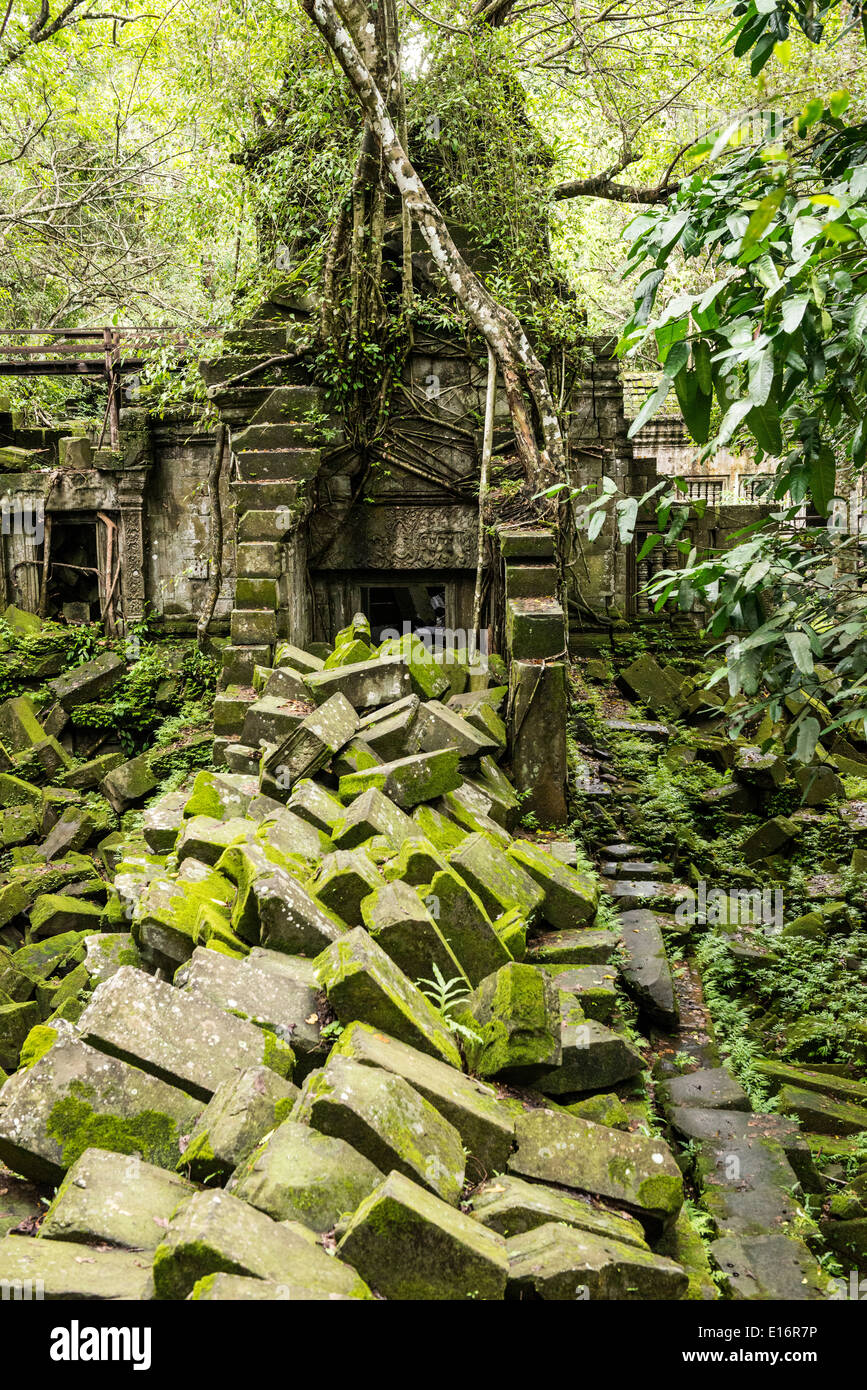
444 994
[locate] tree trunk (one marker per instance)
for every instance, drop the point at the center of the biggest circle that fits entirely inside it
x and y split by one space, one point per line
500 328
487 446
216 535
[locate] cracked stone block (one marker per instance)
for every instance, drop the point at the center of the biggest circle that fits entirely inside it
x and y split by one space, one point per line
317 806
594 987
571 898
88 682
438 727
344 880
584 946
709 1088
386 1120
313 742
634 1172
485 1125
371 814
497 879
408 781
401 924
270 1000
773 1266
291 919
515 1014
365 684
62 1269
465 925
563 1262
512 1206
595 1058
74 1096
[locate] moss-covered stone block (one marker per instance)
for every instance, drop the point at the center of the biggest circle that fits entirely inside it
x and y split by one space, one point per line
409 1245
216 1233
363 983
242 1110
298 1174
181 1038
74 1097
637 1173
515 1014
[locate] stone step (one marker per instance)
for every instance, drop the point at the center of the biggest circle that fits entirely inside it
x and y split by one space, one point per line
531 581
239 662
289 404
266 465
639 870
280 434
253 627
232 364
645 968
271 340
265 496
237 403
770 1267
271 524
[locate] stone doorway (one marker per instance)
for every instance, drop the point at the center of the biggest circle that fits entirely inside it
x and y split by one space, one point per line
397 608
429 600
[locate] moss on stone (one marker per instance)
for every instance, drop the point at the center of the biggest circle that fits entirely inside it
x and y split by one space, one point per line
76 1126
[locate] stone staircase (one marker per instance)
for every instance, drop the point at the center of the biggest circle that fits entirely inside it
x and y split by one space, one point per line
277 424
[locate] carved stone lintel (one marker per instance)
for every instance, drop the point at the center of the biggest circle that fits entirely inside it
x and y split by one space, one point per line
400 538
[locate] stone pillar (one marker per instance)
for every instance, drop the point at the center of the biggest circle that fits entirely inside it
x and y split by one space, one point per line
130 494
535 626
537 729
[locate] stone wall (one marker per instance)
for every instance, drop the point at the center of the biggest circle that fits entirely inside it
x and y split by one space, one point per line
151 493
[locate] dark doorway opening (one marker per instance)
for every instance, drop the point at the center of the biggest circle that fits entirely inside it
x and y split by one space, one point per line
73 570
400 608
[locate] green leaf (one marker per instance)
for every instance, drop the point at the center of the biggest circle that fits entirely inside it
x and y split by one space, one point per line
649 543
808 736
695 405
701 359
650 407
764 422
837 102
761 377
763 217
597 521
858 323
802 655
627 515
793 311
822 480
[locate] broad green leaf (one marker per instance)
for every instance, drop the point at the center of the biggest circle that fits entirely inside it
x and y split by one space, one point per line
695 405
792 311
822 481
627 515
764 422
807 738
763 216
802 655
761 377
649 543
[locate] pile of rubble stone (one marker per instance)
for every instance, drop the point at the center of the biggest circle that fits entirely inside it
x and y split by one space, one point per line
339 1033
